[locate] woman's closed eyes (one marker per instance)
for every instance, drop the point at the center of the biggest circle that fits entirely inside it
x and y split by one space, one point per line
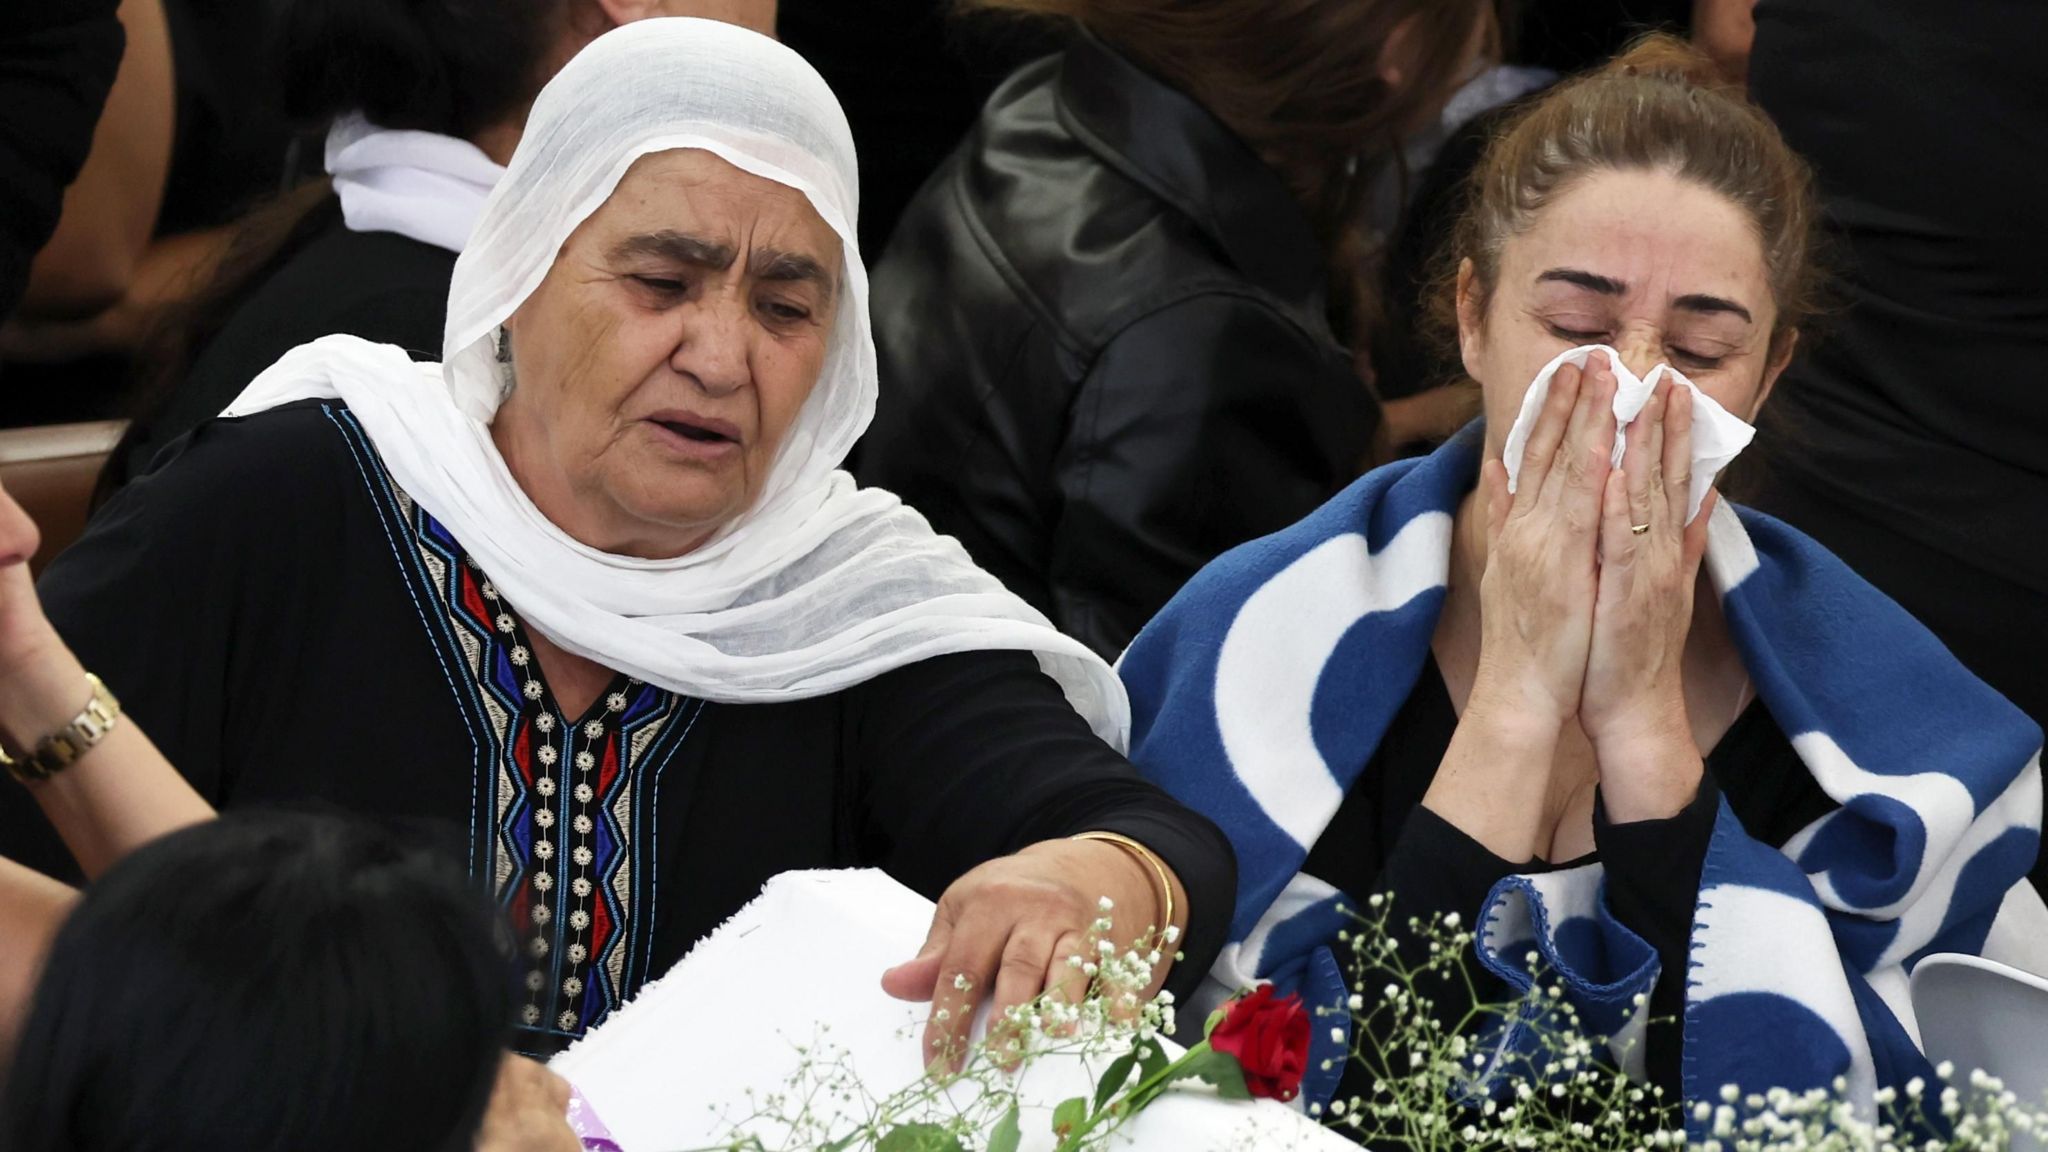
1681 356
670 289
786 312
662 285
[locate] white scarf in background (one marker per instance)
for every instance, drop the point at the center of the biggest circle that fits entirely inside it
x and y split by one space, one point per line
421 185
822 585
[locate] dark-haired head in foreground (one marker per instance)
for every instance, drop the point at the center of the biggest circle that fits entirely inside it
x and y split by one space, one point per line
265 981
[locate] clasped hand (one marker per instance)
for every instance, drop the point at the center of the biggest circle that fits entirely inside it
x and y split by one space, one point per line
1587 596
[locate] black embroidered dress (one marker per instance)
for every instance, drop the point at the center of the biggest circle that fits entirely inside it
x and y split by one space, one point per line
290 627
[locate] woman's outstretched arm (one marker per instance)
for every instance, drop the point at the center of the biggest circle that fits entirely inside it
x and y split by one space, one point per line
121 793
32 906
117 796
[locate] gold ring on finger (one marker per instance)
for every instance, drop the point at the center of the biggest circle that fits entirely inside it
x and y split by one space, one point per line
1638 529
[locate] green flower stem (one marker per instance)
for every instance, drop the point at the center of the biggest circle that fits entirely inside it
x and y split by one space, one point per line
1140 1095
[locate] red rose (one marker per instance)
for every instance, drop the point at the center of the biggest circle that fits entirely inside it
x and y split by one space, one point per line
1269 1039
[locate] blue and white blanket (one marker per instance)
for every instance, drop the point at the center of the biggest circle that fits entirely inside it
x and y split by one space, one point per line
1261 692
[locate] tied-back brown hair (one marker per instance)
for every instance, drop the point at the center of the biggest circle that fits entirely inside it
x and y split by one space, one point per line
1299 81
1659 106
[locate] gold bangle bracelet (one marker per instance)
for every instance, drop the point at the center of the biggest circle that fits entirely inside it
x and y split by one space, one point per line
1145 854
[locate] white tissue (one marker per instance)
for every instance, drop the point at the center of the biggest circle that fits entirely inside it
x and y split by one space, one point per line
1718 436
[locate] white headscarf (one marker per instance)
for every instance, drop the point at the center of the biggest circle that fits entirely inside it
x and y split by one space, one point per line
821 585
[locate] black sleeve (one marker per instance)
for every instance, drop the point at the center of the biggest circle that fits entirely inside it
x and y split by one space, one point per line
1652 870
58 59
1198 428
1653 886
972 756
1436 868
183 591
1433 869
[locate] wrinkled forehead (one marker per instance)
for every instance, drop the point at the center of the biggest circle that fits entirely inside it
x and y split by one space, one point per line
691 206
1659 236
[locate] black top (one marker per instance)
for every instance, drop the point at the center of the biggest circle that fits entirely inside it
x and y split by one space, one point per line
234 144
1568 36
380 286
289 626
1383 841
1407 356
57 61
911 76
1103 345
231 149
1909 437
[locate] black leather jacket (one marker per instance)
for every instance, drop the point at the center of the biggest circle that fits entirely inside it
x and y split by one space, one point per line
1104 350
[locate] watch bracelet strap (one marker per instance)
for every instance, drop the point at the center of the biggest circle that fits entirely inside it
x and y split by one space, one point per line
64 747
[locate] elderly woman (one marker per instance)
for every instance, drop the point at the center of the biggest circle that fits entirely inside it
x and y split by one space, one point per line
591 597
1680 755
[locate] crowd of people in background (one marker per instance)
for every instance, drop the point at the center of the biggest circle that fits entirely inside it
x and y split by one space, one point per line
882 423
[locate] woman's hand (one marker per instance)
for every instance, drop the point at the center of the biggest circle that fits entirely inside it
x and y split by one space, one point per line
1495 783
1633 707
23 628
1536 598
1009 926
529 1111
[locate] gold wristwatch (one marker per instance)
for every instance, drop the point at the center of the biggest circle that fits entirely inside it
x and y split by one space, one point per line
62 748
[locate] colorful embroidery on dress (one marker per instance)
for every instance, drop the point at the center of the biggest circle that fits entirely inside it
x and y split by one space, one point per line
562 810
